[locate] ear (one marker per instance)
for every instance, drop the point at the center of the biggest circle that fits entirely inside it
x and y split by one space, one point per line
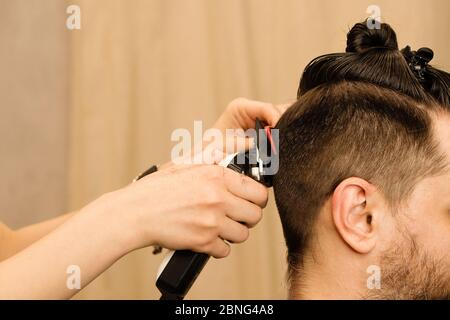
353 213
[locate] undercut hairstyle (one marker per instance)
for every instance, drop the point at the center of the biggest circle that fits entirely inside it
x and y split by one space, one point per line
362 113
343 130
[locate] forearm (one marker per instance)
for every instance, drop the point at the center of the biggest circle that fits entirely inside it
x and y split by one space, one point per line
18 240
87 240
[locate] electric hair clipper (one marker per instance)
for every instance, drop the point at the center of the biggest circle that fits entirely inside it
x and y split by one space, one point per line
181 268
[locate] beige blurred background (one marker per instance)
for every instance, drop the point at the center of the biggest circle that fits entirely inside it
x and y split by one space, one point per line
83 111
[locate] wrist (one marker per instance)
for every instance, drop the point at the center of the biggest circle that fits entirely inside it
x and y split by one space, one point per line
115 223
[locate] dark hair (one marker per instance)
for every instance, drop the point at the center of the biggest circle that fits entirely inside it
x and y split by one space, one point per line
342 130
372 55
360 113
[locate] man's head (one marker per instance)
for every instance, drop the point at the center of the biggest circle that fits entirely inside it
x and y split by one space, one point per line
364 180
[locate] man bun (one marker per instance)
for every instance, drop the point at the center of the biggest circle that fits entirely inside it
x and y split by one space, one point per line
361 38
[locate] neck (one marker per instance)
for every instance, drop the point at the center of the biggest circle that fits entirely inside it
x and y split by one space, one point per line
332 279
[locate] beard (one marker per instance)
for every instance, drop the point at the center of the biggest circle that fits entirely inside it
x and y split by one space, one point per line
409 272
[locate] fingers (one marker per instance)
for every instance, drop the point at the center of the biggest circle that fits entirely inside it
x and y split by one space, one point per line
246 111
243 211
218 248
283 107
270 115
245 187
261 110
233 231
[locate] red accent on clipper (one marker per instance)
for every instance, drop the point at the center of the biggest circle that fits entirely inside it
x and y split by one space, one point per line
269 136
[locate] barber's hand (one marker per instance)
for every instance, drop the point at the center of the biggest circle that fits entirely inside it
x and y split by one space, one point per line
241 113
188 207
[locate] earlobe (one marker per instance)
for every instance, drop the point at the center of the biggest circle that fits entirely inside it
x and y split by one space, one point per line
353 214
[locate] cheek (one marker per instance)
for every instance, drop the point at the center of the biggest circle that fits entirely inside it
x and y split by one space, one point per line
430 228
425 218
438 238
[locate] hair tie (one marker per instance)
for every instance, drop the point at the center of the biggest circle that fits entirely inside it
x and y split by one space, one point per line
418 60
